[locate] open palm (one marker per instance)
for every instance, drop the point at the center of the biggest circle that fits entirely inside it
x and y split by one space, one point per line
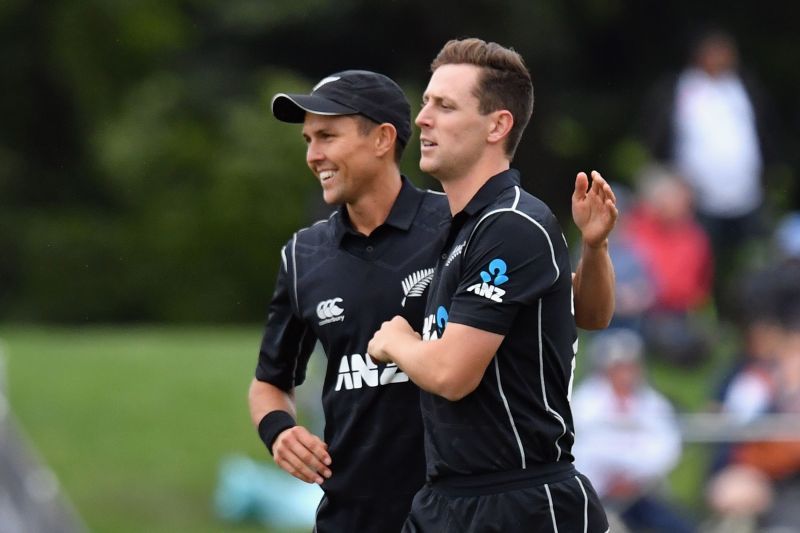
594 208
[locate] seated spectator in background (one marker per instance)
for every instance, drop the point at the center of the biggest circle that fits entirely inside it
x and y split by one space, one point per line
747 390
626 436
660 227
763 477
748 386
764 303
634 290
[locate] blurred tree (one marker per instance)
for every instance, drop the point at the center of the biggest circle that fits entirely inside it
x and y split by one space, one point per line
143 178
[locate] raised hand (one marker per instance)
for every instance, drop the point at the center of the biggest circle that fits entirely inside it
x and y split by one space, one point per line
594 208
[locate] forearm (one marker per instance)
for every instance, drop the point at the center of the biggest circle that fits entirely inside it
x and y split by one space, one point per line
295 450
264 398
594 286
425 364
451 366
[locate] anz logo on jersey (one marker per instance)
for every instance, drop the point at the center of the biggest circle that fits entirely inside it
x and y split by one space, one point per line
357 371
439 320
488 288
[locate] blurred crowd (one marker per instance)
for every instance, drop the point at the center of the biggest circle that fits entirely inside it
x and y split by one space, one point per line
708 277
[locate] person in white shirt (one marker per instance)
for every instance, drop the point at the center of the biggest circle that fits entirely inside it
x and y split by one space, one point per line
626 436
715 132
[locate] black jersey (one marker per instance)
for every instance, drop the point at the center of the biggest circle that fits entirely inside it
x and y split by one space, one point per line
505 269
338 286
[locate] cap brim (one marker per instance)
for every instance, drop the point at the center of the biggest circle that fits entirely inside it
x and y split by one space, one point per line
293 107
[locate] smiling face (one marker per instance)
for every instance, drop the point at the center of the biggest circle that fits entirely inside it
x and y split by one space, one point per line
341 155
453 132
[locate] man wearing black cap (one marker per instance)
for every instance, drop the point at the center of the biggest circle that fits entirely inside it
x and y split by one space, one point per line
340 279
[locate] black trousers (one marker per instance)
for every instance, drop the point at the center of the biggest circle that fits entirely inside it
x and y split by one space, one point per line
379 514
565 502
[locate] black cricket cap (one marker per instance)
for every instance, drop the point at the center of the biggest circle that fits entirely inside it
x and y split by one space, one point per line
350 92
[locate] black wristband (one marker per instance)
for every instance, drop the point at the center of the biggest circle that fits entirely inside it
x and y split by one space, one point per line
272 425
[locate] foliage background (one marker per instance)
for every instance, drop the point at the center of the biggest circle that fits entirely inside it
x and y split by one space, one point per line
142 177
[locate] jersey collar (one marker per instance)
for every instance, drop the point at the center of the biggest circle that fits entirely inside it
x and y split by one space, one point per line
401 216
405 207
490 190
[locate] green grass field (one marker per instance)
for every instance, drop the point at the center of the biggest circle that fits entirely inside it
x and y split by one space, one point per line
135 421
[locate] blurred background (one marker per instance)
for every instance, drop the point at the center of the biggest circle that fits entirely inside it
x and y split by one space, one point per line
145 192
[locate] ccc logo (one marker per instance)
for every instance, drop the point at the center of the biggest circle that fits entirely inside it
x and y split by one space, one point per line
329 308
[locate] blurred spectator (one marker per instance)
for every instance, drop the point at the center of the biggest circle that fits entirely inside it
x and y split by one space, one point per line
710 122
738 495
747 387
661 229
787 237
762 478
635 290
764 301
627 440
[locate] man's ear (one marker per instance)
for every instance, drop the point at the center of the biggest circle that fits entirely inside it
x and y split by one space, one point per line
500 125
385 137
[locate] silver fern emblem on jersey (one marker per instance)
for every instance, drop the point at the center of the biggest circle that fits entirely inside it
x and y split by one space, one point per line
455 253
415 284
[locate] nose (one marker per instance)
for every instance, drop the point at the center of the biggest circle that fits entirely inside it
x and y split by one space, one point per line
423 117
313 153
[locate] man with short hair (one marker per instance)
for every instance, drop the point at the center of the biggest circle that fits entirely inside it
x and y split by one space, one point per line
339 279
496 357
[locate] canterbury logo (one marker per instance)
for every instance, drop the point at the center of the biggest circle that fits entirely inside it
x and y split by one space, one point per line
329 311
414 285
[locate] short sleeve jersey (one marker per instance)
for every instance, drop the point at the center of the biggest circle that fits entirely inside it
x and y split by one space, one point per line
338 287
505 270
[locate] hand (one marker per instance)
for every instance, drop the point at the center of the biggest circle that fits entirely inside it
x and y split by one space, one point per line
390 333
594 209
303 455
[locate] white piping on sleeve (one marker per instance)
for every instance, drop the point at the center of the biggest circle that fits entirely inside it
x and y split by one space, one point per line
294 270
535 223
